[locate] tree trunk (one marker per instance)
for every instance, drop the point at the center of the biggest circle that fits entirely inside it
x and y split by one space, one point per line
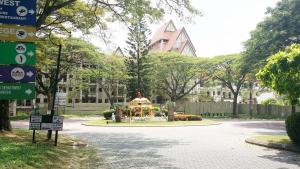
250 104
4 116
50 100
293 109
234 110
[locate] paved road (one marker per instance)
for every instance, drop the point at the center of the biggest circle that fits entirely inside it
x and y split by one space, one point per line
212 147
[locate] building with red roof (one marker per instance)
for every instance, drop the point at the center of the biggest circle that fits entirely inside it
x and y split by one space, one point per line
168 38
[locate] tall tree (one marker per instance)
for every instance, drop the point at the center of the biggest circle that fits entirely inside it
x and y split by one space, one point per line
282 73
228 70
278 30
138 47
62 16
75 51
177 75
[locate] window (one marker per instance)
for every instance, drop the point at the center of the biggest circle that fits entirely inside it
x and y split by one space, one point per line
229 95
99 100
214 93
100 89
106 100
45 100
219 93
37 100
93 90
70 88
208 93
28 102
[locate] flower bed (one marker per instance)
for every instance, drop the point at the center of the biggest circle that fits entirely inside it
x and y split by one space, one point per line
187 117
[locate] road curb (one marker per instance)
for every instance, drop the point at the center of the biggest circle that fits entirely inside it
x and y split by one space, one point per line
280 146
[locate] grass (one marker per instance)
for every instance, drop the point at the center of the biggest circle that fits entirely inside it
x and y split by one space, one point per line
174 123
17 151
282 139
81 115
19 116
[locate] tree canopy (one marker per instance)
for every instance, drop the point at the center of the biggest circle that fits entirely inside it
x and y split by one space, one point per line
64 16
282 73
176 75
278 30
228 70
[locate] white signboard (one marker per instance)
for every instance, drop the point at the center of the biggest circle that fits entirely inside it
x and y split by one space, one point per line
46 126
36 119
34 126
60 99
57 126
58 119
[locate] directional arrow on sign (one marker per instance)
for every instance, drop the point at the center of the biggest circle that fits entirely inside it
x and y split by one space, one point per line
14 91
16 12
30 54
28 91
17 33
31 34
31 11
11 74
17 53
29 74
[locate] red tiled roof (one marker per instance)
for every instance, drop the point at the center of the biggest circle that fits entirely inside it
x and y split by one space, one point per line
170 37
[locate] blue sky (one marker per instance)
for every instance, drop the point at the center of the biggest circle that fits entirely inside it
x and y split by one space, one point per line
225 24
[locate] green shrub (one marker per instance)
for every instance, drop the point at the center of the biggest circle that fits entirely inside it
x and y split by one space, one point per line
292 125
269 101
155 108
108 113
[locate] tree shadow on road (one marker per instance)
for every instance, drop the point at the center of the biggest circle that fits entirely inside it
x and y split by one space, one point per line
122 151
283 156
262 125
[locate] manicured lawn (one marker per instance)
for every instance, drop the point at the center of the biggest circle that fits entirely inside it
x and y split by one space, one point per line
19 116
80 115
17 151
274 139
174 123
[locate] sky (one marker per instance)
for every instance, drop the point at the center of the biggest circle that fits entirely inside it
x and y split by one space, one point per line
222 29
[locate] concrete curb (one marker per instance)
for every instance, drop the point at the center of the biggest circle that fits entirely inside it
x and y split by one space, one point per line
187 125
280 146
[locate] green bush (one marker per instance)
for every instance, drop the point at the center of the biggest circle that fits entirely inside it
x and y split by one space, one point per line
155 108
269 101
108 113
292 125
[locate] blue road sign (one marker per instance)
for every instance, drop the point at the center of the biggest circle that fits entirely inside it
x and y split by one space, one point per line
20 12
11 74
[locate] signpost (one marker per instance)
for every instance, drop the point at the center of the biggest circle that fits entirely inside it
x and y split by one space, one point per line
17 53
19 91
61 99
46 122
20 12
10 74
17 33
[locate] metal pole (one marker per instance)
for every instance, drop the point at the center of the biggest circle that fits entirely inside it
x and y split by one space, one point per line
55 87
56 136
33 136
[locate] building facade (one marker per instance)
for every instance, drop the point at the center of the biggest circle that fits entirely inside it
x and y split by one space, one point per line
168 38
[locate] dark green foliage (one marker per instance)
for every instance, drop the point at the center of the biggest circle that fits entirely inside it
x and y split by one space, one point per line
279 30
292 125
107 114
138 69
269 101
